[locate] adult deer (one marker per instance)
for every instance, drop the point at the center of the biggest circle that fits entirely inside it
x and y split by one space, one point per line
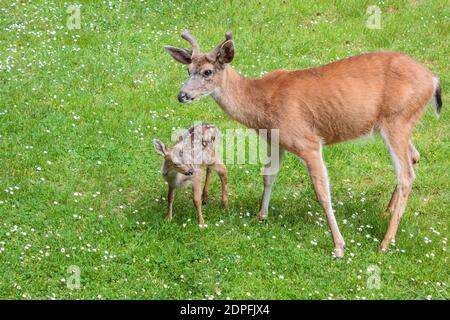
340 101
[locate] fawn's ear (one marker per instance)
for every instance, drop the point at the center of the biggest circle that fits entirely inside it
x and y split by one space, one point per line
160 147
182 55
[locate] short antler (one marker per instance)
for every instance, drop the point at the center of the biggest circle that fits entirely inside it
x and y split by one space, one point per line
212 55
195 47
229 36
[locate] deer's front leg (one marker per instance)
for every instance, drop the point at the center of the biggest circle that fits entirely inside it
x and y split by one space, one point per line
269 174
319 177
170 197
197 197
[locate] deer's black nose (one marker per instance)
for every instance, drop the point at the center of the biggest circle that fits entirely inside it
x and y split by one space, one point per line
183 96
190 172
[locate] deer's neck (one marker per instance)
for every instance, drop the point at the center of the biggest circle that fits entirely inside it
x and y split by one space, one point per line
240 98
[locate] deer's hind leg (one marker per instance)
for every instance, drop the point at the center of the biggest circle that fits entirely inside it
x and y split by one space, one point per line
390 207
414 156
398 142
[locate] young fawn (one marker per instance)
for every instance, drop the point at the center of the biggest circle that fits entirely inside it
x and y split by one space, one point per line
185 162
382 92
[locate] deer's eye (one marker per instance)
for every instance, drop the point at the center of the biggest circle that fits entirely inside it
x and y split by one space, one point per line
207 73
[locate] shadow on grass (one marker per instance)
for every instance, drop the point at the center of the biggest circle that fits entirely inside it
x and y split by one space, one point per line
298 212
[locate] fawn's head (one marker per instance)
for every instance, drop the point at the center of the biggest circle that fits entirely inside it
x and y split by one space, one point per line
205 70
173 158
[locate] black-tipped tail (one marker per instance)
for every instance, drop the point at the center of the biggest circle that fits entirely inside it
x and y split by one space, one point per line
437 98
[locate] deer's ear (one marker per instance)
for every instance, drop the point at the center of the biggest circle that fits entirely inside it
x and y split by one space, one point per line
180 54
160 147
226 52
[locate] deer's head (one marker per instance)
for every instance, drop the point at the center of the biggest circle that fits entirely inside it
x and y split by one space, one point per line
205 70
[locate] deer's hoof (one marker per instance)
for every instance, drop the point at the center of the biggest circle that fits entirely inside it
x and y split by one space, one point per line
384 247
262 216
263 220
225 204
339 252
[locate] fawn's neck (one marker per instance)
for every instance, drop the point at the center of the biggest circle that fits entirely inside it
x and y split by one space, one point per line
240 98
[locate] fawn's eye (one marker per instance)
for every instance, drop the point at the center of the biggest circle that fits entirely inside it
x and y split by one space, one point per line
207 73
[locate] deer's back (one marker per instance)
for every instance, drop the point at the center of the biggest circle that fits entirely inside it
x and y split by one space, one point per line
350 97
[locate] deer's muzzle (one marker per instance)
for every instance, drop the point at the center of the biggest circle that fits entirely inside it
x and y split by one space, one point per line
183 97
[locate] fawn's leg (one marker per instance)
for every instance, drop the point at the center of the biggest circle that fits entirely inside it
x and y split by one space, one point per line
400 150
223 174
270 172
197 197
206 186
311 154
170 198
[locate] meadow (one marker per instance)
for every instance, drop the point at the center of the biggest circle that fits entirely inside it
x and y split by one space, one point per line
80 184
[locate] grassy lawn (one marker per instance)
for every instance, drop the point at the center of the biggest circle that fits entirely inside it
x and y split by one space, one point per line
80 183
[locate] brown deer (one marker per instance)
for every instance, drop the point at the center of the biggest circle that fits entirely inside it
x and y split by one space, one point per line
184 163
384 92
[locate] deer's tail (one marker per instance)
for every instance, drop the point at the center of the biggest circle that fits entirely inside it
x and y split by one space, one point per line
437 98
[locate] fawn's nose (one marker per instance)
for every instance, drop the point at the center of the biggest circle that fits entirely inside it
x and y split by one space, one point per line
183 97
190 172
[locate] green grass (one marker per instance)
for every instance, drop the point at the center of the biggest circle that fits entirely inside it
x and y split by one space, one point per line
78 112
